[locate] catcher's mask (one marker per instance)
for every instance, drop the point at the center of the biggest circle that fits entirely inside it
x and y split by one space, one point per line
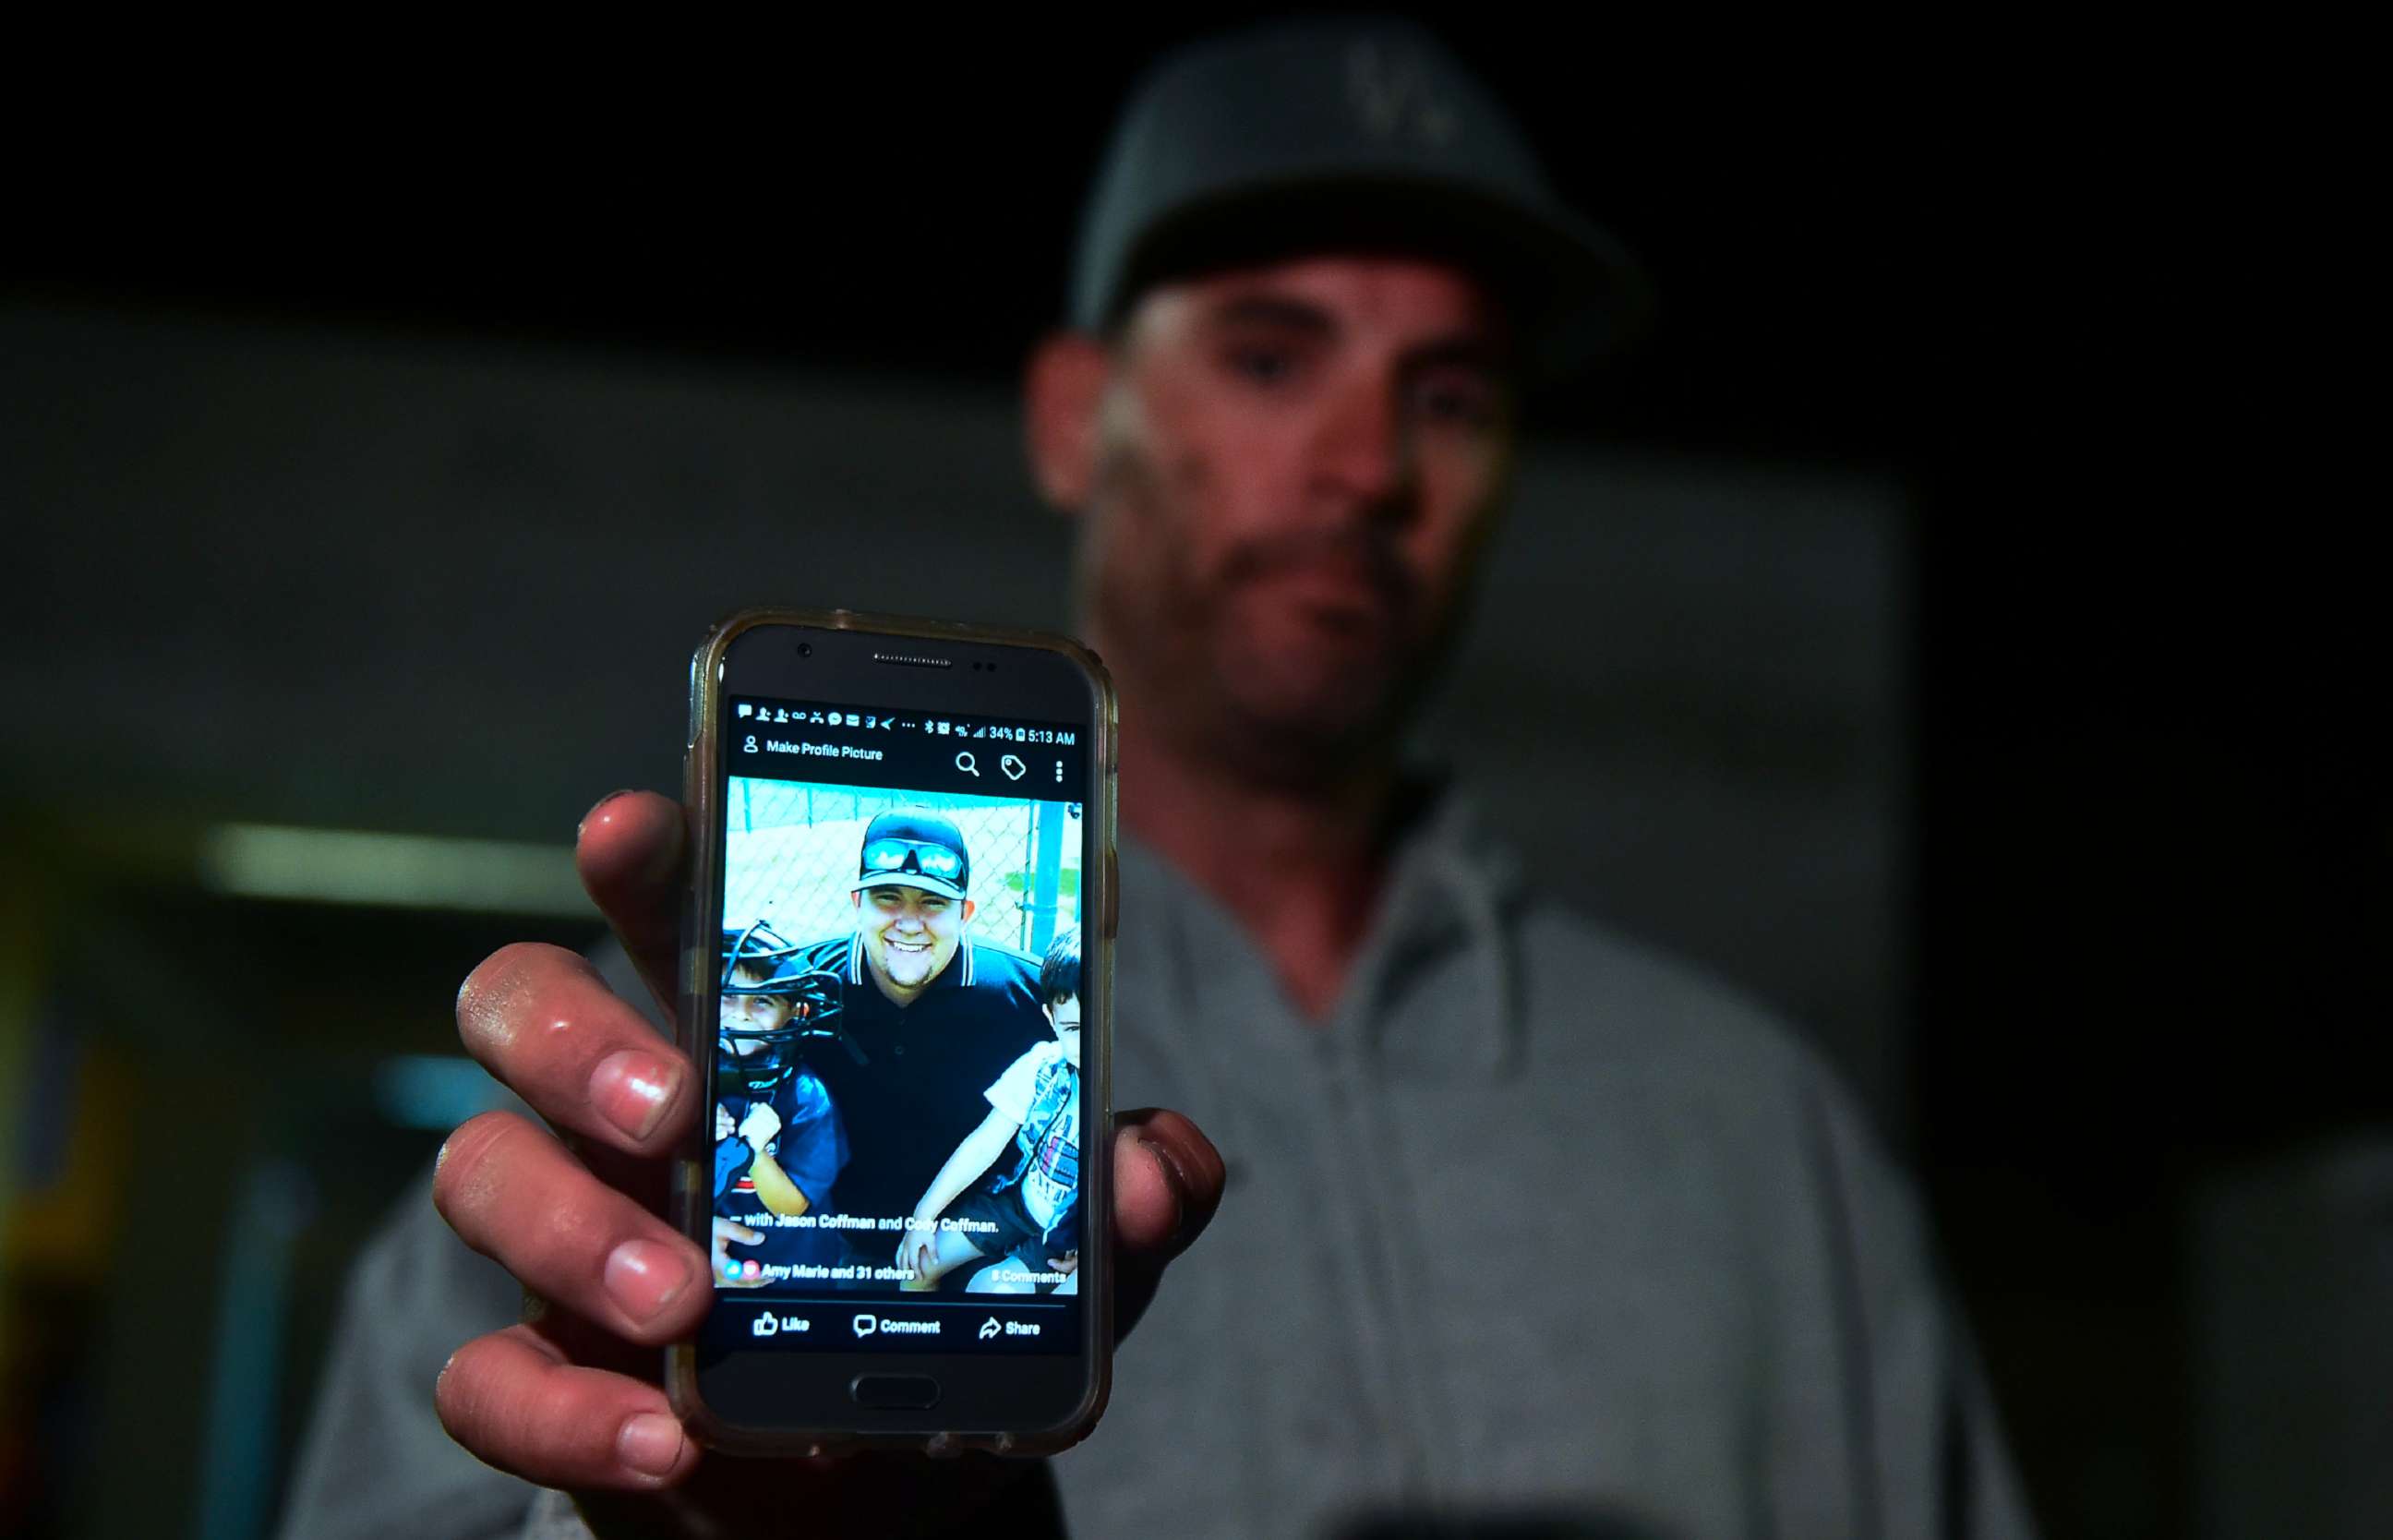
764 1058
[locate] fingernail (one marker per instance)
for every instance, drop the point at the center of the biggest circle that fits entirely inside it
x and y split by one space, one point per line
597 807
643 1277
632 1090
651 1443
1175 1179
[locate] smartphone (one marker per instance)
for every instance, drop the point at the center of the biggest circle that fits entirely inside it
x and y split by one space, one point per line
896 972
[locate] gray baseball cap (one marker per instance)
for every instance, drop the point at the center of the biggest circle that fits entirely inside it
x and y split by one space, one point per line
1344 133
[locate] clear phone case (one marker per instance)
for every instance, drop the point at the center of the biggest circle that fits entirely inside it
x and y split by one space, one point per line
692 1194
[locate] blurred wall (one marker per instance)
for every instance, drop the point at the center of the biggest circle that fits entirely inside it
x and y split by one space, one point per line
362 582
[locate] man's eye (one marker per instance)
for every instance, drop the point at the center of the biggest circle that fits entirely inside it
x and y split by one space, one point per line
1262 365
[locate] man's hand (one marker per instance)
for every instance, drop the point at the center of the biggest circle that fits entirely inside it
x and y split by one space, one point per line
571 1399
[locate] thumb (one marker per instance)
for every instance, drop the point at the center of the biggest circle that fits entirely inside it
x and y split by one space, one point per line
1168 1182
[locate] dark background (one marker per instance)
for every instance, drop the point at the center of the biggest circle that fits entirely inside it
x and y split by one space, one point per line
2138 1065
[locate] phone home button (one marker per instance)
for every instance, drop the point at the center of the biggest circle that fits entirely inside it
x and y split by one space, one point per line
895 1392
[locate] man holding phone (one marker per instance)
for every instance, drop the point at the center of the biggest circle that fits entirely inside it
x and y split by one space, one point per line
1317 269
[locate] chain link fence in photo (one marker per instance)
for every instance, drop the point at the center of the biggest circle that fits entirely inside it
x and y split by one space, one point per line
793 847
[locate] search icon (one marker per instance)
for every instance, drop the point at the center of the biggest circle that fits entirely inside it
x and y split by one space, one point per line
965 762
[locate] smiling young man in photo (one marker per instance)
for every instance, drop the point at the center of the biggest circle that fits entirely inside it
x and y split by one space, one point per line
935 1013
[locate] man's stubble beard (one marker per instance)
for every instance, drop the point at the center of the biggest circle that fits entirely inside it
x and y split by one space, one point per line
1190 677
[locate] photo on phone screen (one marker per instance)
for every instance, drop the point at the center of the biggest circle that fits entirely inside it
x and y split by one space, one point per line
896 1078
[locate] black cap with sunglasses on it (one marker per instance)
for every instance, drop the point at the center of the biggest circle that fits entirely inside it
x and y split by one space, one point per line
913 847
1345 134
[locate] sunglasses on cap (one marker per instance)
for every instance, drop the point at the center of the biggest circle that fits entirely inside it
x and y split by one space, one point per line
916 855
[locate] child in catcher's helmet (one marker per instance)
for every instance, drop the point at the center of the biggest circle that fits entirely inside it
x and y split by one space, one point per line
778 1144
1024 1211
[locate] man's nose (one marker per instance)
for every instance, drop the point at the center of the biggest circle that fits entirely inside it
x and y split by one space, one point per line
1362 454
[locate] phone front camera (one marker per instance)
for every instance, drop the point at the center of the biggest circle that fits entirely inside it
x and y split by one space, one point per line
805 649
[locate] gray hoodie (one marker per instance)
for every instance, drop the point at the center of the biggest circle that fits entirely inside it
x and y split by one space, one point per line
1541 1231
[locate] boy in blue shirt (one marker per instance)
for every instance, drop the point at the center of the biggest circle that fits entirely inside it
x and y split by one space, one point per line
778 1143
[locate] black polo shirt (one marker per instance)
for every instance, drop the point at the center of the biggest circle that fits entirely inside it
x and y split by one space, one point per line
908 1108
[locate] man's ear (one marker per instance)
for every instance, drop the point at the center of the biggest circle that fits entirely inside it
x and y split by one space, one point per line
971 908
1062 388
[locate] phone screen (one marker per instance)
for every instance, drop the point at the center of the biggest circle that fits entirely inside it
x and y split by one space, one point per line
896 1070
